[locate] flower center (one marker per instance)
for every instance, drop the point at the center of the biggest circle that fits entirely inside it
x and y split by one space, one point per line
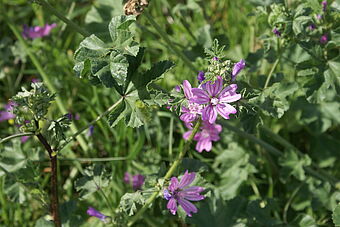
214 101
194 108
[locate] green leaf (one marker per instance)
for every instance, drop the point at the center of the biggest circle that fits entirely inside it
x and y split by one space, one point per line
273 101
130 201
304 220
293 165
142 82
336 215
214 211
68 215
118 67
12 158
95 178
15 190
234 167
99 16
117 114
42 222
121 37
260 213
193 165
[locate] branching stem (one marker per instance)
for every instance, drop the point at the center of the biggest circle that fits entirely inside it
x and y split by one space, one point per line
54 181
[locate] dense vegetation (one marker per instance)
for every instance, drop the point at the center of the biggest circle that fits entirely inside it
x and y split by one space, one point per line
96 107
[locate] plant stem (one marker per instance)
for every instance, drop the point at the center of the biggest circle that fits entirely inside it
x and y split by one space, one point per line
15 136
54 181
171 46
271 73
168 174
61 16
46 80
91 123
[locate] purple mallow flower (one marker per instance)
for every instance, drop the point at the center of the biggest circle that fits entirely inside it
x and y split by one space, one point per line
136 181
7 114
277 32
323 39
179 192
324 5
237 69
90 131
319 16
312 27
216 58
37 31
178 88
200 76
93 212
217 98
191 112
209 132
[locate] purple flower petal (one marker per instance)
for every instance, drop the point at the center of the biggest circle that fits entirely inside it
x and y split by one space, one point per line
93 212
209 113
214 88
172 206
193 190
237 69
4 116
187 134
324 5
24 139
187 89
166 194
137 181
192 196
199 96
127 178
323 39
187 206
173 184
225 109
187 179
188 117
200 76
203 144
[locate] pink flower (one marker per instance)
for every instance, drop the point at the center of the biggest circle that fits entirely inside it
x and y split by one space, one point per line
324 5
193 109
209 132
323 39
136 181
237 69
216 98
179 192
37 31
93 212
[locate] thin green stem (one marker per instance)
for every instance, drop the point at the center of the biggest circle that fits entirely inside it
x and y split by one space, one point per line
15 136
276 152
171 129
46 80
285 209
91 123
108 203
274 65
168 174
171 46
61 16
271 73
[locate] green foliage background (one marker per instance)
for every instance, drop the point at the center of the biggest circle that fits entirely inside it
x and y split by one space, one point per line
276 163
